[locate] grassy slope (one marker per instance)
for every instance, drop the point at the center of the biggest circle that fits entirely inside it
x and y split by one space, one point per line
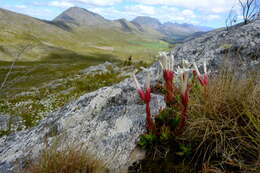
35 88
19 30
47 75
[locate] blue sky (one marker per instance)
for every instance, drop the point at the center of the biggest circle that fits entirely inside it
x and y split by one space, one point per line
200 12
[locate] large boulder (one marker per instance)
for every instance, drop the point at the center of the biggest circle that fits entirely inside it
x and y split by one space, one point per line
107 121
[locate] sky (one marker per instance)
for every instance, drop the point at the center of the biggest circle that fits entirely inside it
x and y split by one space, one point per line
212 13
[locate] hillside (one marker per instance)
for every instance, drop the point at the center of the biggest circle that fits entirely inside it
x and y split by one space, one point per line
82 32
76 31
171 32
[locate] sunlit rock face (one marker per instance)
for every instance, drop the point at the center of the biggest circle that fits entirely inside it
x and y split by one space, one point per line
107 121
239 45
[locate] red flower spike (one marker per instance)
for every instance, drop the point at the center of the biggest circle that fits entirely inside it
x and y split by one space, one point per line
194 73
146 97
185 89
167 64
184 99
168 77
141 94
149 122
203 79
206 79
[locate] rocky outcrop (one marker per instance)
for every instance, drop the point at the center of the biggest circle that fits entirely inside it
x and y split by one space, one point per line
107 67
240 45
107 121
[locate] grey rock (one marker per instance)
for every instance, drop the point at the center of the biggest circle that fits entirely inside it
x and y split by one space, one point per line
240 46
100 69
107 121
5 121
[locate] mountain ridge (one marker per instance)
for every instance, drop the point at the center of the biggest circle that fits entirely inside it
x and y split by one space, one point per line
142 23
81 31
171 31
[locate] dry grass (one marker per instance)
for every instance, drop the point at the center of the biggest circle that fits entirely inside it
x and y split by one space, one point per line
225 123
67 160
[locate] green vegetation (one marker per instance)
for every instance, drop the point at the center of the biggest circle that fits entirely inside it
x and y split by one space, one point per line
47 74
221 135
84 41
34 89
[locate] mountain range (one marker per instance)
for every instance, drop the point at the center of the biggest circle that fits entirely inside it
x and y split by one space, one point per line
79 31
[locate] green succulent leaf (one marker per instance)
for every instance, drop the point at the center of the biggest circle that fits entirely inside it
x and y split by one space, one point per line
147 140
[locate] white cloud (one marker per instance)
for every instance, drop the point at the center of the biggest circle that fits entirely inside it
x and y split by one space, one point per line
21 6
98 2
110 12
212 17
219 10
191 4
69 3
188 13
164 13
141 9
61 4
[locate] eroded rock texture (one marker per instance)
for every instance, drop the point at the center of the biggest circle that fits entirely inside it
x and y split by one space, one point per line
108 121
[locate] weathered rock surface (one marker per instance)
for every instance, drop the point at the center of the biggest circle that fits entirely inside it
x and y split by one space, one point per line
240 45
108 121
108 67
100 69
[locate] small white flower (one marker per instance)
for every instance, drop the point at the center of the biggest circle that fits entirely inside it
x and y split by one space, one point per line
166 62
196 68
184 82
137 84
205 66
148 80
148 77
185 64
185 67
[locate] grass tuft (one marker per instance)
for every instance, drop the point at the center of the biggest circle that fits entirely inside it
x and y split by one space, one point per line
67 160
225 123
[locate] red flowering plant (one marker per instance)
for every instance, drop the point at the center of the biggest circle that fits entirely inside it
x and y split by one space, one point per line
171 120
202 78
145 95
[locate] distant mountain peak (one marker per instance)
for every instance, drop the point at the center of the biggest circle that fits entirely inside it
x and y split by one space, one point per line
80 16
81 10
147 21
